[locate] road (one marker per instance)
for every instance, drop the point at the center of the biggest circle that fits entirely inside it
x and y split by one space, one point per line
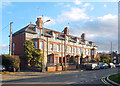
85 77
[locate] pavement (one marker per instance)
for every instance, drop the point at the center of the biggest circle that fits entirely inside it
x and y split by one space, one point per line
26 75
91 77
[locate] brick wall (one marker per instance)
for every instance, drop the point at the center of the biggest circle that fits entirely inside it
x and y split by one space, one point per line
19 44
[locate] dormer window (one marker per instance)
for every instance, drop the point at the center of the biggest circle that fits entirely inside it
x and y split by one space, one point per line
78 41
51 47
86 42
67 38
54 36
38 33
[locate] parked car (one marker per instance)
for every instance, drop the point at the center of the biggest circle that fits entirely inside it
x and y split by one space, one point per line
117 65
2 67
92 66
111 65
103 65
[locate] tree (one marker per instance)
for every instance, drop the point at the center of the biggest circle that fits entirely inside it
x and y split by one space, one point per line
38 58
105 58
29 48
98 59
93 61
32 54
72 59
11 62
81 60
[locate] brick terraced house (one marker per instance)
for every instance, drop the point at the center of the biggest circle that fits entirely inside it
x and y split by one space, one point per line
54 45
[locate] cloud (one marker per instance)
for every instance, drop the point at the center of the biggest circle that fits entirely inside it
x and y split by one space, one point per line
77 2
101 30
68 5
75 14
4 4
50 23
86 5
92 8
3 47
105 5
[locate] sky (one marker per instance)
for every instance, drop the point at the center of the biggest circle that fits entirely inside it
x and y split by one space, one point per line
98 20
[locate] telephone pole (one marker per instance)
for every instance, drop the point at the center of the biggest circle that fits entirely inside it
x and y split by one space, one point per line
111 49
10 47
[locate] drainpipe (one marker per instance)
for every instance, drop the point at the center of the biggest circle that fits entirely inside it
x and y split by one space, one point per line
43 65
65 51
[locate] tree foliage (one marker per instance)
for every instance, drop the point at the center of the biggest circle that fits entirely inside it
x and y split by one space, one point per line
32 54
11 61
93 61
72 59
105 58
29 48
38 58
81 59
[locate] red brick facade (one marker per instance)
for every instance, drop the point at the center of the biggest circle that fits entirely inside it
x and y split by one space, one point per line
54 56
18 40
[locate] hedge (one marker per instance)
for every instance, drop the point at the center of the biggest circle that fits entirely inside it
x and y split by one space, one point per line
11 61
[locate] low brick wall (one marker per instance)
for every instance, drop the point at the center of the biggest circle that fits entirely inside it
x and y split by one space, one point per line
52 68
59 68
70 67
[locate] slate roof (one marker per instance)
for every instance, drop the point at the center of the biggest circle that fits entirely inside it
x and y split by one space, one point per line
49 33
31 29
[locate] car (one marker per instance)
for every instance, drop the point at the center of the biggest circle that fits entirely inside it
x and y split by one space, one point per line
103 65
92 66
111 65
2 67
117 65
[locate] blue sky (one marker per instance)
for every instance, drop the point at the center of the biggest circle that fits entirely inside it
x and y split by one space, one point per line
97 19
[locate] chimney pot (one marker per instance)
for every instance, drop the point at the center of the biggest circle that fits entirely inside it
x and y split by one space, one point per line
39 22
83 36
66 31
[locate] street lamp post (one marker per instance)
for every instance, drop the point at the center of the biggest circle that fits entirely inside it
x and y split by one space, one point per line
65 51
43 65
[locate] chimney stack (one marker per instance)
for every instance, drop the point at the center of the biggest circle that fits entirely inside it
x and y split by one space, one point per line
83 36
66 31
39 22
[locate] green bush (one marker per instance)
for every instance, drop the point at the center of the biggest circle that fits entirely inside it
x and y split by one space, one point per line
93 61
72 59
11 61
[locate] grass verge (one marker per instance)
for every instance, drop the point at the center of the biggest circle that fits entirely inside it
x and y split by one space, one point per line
115 78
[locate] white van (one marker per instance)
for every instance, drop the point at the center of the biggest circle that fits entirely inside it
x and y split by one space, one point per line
92 66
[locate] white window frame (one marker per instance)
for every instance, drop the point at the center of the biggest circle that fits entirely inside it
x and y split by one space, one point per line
92 52
83 51
51 60
56 60
51 47
80 51
76 50
70 49
38 33
58 48
54 36
41 45
78 41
